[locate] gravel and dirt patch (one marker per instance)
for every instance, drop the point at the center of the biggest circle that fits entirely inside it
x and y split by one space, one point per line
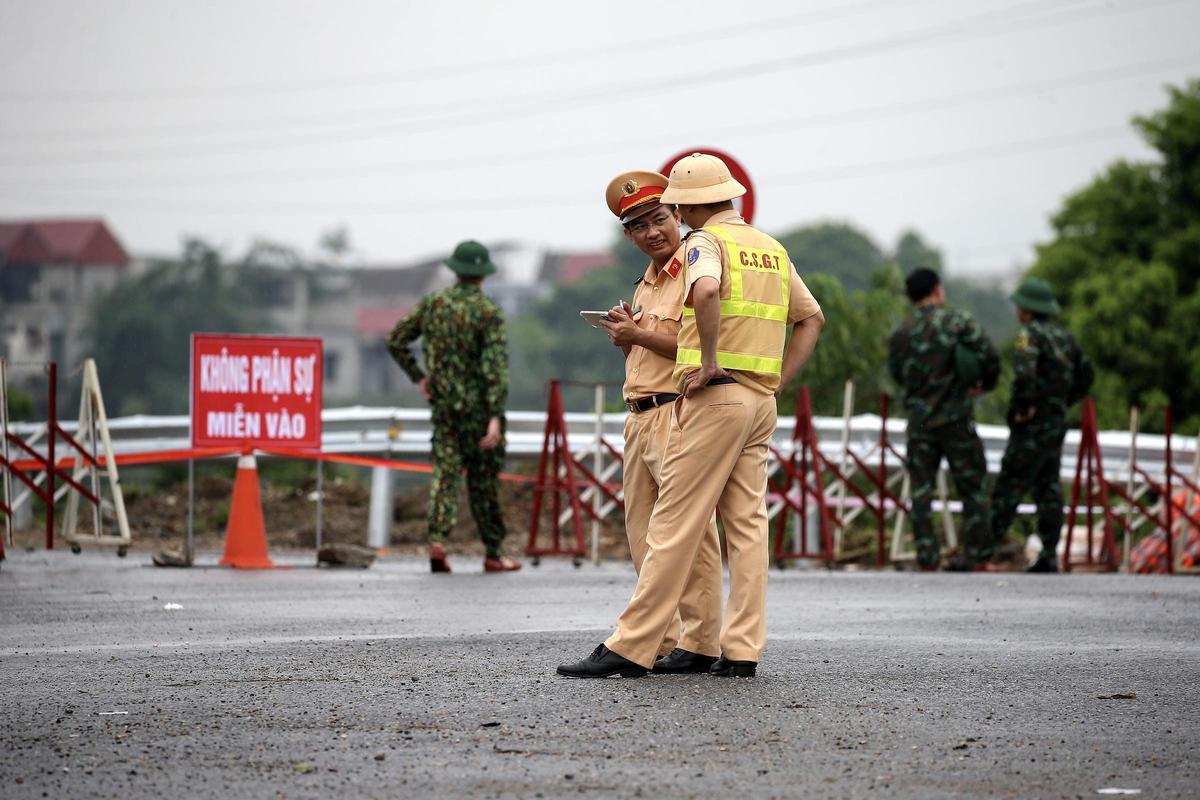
158 517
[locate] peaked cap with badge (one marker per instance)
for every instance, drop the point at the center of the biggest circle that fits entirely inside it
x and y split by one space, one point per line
632 194
471 259
701 178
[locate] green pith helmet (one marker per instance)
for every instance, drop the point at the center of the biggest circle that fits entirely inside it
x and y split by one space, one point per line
471 259
1036 296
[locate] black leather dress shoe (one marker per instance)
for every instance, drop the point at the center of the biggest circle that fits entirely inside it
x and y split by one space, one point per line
602 663
727 668
680 661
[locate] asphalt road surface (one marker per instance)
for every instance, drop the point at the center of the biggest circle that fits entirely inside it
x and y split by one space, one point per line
392 682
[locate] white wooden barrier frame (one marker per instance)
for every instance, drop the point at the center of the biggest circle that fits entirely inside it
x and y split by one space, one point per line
93 435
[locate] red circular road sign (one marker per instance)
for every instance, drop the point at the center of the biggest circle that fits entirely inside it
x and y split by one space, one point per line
735 168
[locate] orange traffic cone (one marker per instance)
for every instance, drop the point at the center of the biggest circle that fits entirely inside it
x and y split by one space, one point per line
245 534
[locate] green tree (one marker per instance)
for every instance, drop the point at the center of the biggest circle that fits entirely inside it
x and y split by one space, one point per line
334 245
912 253
1125 261
21 405
550 340
986 302
141 330
860 291
836 249
853 344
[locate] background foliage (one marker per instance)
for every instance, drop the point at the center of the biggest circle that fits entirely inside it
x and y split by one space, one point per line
140 331
860 288
1124 259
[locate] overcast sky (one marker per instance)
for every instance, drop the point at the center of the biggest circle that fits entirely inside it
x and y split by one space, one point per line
419 124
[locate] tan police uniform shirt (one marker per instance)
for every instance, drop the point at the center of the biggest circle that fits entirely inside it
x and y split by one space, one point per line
660 295
710 262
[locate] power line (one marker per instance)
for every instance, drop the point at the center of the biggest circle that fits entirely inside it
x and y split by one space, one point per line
784 126
542 201
456 70
959 157
323 119
544 104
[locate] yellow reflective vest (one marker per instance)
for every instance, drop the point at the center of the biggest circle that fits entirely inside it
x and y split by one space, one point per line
754 308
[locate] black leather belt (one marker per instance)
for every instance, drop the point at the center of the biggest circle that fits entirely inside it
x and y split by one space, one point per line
653 401
656 400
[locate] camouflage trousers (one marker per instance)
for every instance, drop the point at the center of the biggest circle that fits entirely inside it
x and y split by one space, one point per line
455 448
963 451
1031 466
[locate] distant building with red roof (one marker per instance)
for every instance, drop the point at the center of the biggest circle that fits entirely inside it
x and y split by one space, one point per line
20 244
357 362
50 271
61 242
378 320
570 267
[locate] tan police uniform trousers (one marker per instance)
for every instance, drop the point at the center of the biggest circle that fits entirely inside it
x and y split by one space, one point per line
699 608
716 456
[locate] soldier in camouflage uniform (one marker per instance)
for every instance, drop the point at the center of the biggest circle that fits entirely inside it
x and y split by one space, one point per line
462 337
1051 374
942 360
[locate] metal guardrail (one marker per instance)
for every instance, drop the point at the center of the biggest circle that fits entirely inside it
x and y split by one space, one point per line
405 433
408 432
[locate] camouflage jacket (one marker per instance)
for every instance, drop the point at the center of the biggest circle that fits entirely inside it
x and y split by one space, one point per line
1050 371
466 355
921 359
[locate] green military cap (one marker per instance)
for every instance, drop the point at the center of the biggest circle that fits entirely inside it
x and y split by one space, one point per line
966 366
1036 296
471 258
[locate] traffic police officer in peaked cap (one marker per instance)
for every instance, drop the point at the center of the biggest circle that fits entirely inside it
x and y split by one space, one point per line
741 291
646 332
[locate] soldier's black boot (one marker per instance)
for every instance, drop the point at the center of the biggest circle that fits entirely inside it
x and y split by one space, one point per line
680 662
601 664
1043 564
727 668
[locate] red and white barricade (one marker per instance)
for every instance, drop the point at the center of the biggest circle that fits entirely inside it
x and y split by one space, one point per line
46 475
571 488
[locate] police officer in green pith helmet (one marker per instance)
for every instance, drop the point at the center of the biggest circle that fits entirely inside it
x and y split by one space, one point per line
942 360
1050 374
463 341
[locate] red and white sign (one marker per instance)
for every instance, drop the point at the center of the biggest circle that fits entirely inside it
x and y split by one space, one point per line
745 203
256 391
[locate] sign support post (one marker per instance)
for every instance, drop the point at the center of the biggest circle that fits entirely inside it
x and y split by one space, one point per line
191 510
320 503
